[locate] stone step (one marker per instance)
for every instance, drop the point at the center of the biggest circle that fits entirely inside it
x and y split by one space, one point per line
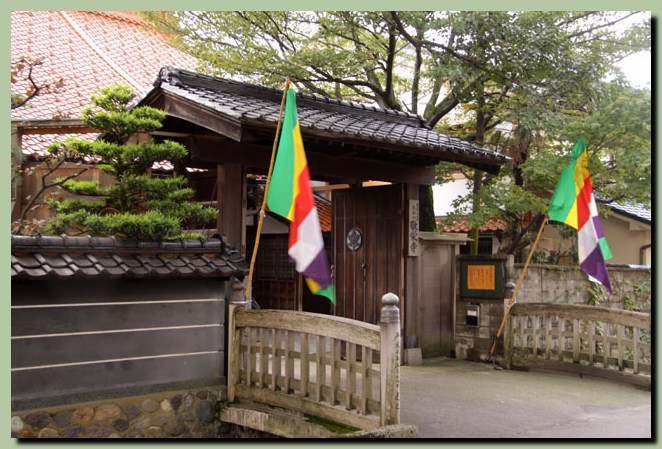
276 421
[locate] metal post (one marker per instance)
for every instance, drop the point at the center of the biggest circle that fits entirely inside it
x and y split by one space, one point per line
390 360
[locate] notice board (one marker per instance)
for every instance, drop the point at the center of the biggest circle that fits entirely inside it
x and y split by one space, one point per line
482 278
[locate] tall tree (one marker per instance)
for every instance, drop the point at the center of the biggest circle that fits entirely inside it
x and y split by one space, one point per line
467 73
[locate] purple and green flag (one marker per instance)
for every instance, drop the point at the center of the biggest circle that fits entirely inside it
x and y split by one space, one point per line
291 196
574 204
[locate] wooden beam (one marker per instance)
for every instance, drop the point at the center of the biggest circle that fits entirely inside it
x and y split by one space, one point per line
193 112
231 196
52 126
330 187
322 166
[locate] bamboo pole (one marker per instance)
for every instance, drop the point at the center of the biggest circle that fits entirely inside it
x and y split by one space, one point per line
513 298
266 189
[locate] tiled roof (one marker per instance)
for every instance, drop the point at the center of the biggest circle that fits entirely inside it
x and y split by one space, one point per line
324 213
249 104
461 225
46 257
37 143
88 50
635 211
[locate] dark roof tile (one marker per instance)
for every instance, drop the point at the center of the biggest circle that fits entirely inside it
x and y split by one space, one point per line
25 261
64 272
52 261
35 272
150 261
249 102
63 257
635 211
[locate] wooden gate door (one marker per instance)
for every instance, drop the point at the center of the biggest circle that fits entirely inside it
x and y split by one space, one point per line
367 229
436 303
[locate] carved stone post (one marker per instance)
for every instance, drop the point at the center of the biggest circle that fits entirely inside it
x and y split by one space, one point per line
390 360
237 303
508 328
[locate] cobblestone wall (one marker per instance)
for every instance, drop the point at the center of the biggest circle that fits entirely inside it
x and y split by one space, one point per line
175 414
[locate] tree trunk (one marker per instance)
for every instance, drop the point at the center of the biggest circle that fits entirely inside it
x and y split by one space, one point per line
481 124
427 220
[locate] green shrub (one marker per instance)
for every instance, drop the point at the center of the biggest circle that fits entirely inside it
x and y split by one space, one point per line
136 205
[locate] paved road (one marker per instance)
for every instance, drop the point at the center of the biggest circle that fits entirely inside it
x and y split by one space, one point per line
447 398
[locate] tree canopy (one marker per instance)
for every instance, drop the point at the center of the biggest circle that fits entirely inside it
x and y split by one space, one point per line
525 83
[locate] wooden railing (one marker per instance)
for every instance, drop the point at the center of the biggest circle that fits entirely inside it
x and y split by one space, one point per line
586 336
335 368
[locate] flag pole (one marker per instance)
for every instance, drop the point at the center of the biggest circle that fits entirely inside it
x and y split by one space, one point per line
513 298
249 283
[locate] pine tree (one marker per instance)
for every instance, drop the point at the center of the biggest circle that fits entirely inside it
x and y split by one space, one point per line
136 205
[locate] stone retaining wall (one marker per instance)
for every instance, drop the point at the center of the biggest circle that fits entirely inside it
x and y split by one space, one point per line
569 285
546 284
173 414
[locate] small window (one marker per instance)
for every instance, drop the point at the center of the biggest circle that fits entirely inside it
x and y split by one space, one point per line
484 246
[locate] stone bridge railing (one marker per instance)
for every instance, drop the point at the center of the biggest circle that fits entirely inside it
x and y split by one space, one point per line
334 368
588 339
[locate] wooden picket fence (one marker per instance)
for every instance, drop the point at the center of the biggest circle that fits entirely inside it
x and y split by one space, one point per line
315 364
584 336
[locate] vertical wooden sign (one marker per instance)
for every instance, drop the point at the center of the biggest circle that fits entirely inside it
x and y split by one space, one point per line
413 243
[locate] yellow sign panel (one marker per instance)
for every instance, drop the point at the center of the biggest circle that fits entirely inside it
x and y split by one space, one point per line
481 277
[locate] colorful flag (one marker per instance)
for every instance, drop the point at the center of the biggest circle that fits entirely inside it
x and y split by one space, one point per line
291 197
574 204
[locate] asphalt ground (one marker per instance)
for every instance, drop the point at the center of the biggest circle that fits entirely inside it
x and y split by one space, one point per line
448 398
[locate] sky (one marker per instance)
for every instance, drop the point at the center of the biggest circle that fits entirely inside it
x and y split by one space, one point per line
637 68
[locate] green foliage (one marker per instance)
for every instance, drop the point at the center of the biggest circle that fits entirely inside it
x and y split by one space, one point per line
113 116
136 205
638 299
468 72
69 206
91 188
337 428
151 225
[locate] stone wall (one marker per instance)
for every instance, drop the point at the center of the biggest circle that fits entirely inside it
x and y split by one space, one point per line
475 342
174 414
546 284
570 285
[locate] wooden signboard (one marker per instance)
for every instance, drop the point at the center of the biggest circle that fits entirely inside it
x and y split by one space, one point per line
481 279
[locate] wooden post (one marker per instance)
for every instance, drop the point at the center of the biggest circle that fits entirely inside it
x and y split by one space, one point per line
17 183
390 360
234 338
508 336
231 195
517 286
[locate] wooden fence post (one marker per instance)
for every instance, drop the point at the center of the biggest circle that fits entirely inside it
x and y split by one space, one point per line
508 336
237 302
390 360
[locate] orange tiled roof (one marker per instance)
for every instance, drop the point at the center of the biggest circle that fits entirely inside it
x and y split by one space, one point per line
88 50
37 143
461 225
324 213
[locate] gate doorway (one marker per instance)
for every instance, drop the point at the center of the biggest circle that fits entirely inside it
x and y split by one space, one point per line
436 305
367 225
